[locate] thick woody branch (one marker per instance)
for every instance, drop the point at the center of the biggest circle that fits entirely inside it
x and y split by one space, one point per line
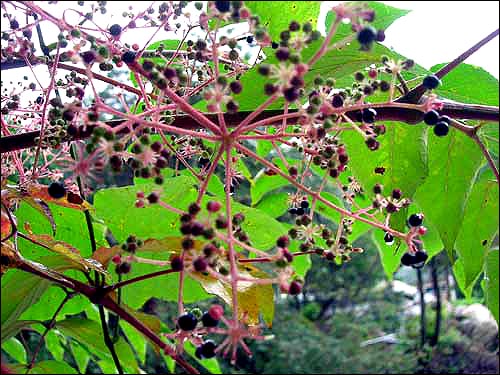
453 109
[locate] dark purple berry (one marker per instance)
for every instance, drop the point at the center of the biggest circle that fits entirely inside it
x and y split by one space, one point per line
123 268
57 190
187 322
282 54
369 115
304 204
367 36
380 36
197 228
294 26
431 82
441 129
445 118
89 57
115 30
295 288
177 263
236 87
14 24
291 94
292 211
397 194
200 264
415 220
408 259
128 57
431 117
283 241
207 349
193 209
208 321
388 239
223 6
337 101
153 198
270 89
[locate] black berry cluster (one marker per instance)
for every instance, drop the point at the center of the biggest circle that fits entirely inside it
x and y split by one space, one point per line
440 124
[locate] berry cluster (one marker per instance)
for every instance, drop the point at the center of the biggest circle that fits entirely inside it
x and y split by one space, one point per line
440 124
391 203
194 324
416 255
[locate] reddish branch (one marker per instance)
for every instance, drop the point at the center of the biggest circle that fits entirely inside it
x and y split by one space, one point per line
100 296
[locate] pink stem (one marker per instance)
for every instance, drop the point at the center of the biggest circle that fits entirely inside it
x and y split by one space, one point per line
230 241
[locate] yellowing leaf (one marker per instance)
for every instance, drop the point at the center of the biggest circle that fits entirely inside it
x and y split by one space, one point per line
253 299
6 226
65 250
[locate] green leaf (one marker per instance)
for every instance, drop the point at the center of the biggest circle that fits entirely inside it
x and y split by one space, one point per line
20 290
263 148
469 84
71 228
86 332
116 207
453 162
45 307
491 276
53 342
11 329
277 15
265 184
89 333
385 15
400 153
459 272
480 224
15 349
137 340
81 356
46 367
274 204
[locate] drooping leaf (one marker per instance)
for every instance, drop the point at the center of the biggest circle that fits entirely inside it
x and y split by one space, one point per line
453 161
459 273
81 356
15 349
479 226
492 282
